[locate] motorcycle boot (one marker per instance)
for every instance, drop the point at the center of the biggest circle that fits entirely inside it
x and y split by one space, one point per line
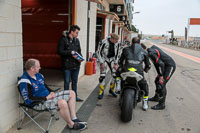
145 103
112 90
101 92
155 98
160 105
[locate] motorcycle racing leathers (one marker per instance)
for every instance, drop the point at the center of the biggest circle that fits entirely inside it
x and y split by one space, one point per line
132 59
165 67
108 55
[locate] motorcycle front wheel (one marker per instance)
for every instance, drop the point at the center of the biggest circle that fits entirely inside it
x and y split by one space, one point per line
127 105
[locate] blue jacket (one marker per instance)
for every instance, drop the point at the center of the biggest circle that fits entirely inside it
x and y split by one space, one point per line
37 89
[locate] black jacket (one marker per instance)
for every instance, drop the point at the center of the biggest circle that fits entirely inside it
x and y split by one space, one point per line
134 56
65 46
160 59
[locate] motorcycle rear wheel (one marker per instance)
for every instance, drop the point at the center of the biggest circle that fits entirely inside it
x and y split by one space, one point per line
127 105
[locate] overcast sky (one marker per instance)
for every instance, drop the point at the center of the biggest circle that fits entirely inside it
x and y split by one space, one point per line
159 16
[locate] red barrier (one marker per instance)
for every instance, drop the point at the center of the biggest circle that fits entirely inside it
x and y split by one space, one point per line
94 60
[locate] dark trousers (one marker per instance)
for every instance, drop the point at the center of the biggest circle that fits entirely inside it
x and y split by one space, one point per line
161 89
71 75
144 86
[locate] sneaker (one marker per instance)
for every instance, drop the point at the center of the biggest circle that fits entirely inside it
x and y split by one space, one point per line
78 121
79 126
78 99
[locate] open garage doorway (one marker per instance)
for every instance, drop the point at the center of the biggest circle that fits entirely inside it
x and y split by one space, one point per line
43 22
100 31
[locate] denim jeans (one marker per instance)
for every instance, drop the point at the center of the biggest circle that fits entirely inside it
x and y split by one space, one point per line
71 75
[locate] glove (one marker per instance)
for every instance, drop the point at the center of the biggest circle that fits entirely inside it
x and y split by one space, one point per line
161 80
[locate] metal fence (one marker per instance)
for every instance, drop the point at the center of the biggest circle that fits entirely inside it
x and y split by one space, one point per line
191 44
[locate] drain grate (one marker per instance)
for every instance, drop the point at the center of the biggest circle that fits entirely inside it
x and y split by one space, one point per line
88 106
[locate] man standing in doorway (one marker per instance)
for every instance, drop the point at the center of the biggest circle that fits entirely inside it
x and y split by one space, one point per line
108 54
67 46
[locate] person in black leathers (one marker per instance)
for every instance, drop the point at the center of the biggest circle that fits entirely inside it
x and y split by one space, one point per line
165 67
67 46
133 57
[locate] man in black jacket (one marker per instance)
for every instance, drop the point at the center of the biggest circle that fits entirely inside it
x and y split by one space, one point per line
132 58
165 67
67 46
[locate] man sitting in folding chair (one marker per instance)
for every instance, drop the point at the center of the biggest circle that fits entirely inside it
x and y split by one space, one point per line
32 88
